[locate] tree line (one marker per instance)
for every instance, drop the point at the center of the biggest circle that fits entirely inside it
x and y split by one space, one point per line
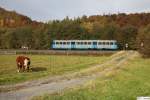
131 29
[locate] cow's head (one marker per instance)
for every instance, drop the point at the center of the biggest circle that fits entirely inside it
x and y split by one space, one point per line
27 63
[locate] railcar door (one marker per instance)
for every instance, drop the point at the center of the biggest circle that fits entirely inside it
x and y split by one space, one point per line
72 45
94 45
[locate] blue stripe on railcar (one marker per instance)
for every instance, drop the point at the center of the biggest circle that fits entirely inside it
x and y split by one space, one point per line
114 46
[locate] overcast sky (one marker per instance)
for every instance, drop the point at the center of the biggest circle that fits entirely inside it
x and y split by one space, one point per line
44 10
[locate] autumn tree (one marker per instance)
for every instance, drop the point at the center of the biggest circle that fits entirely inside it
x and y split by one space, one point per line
128 36
143 41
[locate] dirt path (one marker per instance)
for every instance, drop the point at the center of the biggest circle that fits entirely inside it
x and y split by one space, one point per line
25 91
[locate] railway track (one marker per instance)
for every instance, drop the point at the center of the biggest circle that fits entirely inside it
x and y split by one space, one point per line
59 52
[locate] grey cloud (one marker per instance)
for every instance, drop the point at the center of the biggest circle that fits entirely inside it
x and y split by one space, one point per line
58 9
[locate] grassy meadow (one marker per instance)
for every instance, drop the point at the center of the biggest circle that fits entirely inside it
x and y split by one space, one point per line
44 65
127 83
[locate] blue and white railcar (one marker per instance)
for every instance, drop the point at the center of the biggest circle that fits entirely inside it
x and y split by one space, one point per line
84 44
61 44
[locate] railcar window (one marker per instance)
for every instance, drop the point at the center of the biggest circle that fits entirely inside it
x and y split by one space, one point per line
94 43
57 42
64 43
81 43
68 42
104 43
78 42
85 43
73 43
111 43
107 43
99 43
89 43
60 42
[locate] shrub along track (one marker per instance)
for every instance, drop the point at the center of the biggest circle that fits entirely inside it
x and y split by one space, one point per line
27 90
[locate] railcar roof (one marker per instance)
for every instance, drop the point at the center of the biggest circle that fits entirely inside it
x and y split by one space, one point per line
84 40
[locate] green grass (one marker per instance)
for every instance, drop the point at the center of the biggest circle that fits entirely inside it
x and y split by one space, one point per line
127 83
44 65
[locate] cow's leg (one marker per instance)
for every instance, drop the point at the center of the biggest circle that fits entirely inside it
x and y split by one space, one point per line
18 70
23 68
25 64
28 68
19 67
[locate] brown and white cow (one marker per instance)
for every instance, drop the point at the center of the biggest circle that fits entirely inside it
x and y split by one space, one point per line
23 63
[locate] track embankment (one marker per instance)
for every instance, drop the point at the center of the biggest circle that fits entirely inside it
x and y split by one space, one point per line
58 52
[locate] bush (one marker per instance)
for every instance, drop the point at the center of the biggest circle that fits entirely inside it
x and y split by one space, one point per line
143 41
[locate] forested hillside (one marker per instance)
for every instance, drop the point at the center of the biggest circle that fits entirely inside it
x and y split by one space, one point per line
13 19
17 30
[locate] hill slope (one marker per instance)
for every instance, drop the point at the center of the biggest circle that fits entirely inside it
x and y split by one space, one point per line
13 19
